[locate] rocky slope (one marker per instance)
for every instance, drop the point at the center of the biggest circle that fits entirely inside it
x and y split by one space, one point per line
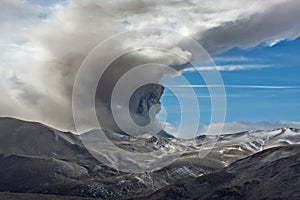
35 158
271 174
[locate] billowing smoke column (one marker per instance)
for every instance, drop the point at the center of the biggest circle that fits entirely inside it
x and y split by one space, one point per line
43 47
144 102
120 90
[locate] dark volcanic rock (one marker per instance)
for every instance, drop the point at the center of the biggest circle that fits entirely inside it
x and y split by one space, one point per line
35 158
30 138
270 174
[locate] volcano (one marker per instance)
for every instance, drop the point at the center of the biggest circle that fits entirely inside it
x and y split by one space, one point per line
39 161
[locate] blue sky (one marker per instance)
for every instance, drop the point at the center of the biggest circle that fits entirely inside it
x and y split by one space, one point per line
274 69
253 44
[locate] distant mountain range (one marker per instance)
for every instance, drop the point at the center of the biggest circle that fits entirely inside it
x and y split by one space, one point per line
35 158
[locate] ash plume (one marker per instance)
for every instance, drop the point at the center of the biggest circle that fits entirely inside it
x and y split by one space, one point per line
43 46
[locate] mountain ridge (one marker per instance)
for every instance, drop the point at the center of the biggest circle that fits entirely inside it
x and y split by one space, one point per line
40 159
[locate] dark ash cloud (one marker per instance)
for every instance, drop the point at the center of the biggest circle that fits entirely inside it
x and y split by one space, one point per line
45 52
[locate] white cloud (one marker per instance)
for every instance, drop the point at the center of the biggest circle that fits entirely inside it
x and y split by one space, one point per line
226 68
231 59
240 126
240 86
271 23
170 128
264 86
44 45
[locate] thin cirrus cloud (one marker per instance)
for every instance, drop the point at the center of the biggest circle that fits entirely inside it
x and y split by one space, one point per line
239 86
226 68
231 59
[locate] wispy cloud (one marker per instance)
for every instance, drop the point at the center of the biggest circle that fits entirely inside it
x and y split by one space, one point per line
264 86
239 86
240 126
231 59
208 96
226 68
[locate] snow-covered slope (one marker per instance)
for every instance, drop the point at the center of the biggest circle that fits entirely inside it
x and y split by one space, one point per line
269 174
38 158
